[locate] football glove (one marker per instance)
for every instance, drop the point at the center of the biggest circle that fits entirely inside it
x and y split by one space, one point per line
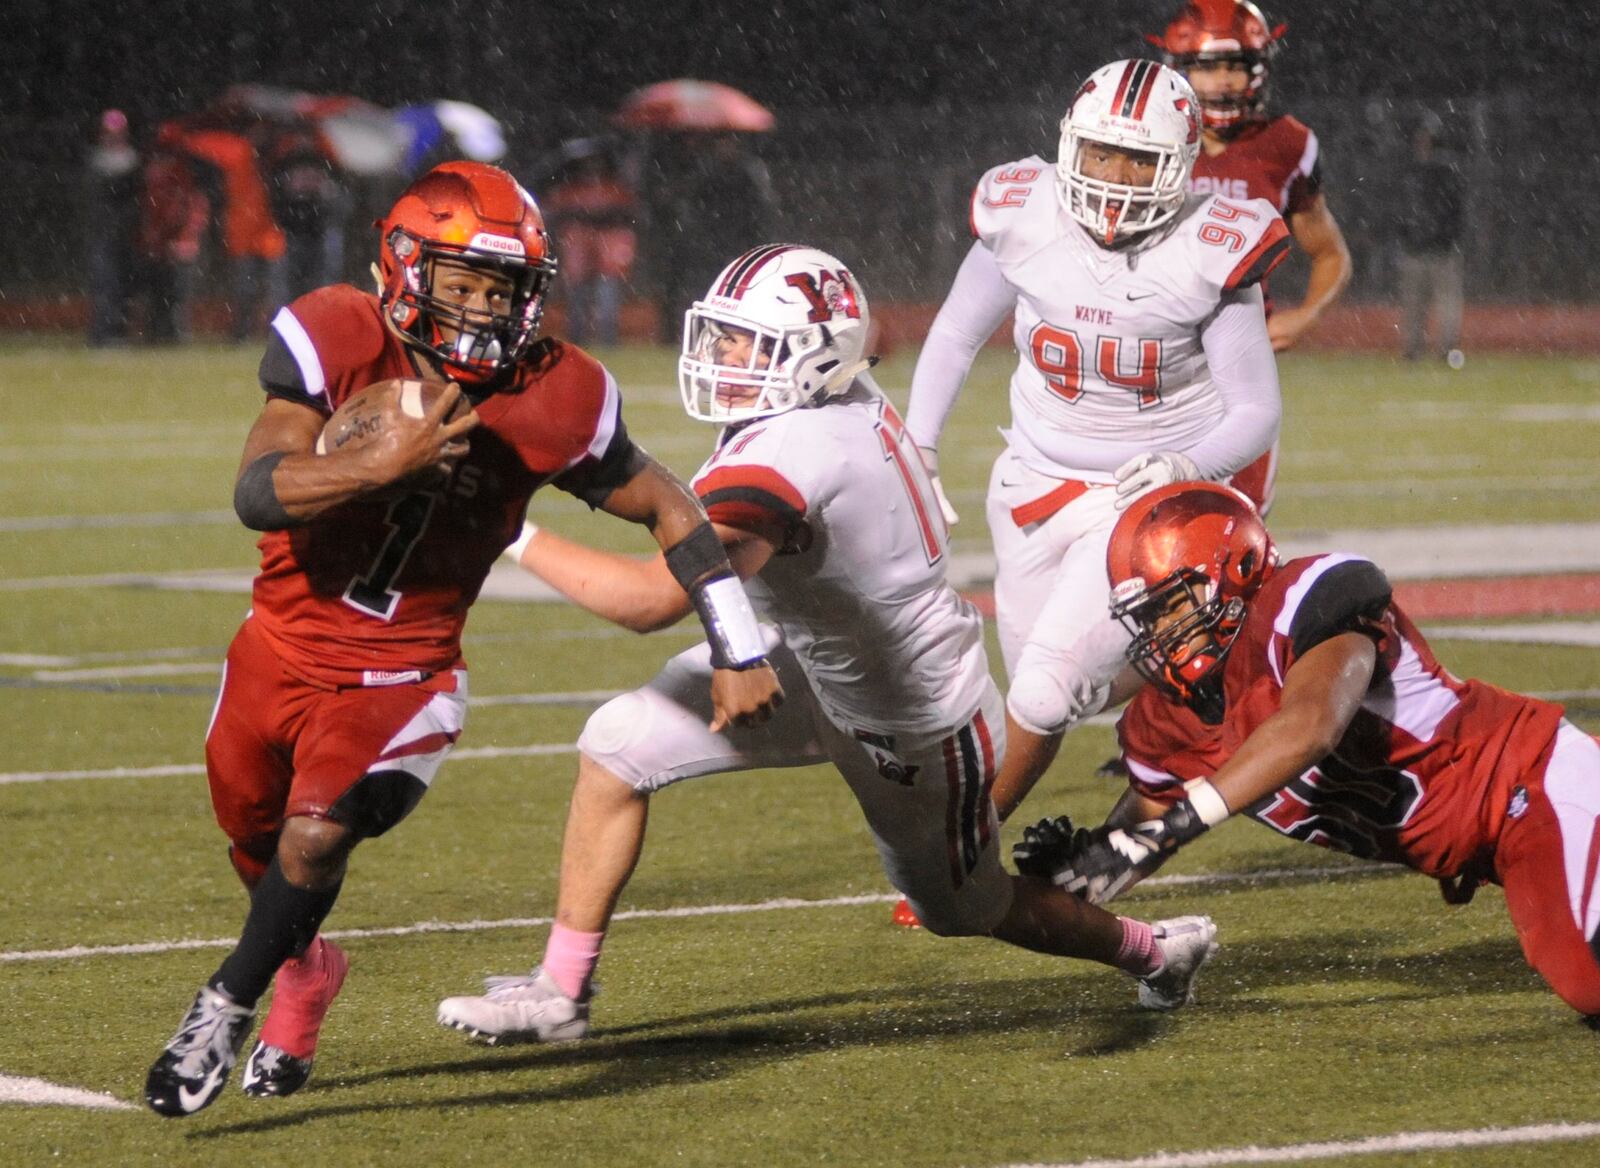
930 461
1101 864
1146 472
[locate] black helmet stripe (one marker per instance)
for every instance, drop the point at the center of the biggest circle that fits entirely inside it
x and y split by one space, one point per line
1132 94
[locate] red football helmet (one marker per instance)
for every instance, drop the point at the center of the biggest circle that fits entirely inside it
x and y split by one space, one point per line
1223 30
479 216
1183 562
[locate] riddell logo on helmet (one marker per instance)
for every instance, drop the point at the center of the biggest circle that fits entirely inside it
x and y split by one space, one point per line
483 241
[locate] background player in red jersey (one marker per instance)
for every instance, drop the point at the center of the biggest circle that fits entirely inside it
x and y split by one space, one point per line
345 689
1304 697
1225 49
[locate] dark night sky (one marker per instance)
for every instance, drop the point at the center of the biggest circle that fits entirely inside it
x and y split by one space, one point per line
533 60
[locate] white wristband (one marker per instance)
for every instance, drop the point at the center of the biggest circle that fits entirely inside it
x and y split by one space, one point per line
1207 802
519 545
728 618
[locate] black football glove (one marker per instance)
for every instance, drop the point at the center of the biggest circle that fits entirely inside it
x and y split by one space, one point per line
1048 846
1101 864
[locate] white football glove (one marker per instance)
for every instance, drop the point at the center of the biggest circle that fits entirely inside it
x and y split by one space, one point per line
1146 472
930 461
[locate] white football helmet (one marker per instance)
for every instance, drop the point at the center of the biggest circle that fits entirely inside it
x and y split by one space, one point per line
808 317
1133 105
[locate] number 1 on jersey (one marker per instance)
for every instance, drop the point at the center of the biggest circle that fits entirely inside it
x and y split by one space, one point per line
406 520
899 449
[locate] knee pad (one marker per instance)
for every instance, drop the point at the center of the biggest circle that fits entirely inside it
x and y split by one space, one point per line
615 727
378 801
1043 701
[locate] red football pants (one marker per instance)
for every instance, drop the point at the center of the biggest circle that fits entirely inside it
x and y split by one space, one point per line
281 746
1546 861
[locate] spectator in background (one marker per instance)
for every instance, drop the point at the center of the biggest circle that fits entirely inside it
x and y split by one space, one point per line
1429 222
593 213
715 196
111 214
173 214
253 240
309 204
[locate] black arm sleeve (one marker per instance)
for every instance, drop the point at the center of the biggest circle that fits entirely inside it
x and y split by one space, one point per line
593 479
1347 598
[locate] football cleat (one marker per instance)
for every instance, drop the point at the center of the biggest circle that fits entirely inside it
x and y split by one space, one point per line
905 916
520 1008
280 1064
191 1071
271 1070
1186 943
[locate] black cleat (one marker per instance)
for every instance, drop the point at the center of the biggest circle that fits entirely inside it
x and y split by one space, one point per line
271 1071
194 1066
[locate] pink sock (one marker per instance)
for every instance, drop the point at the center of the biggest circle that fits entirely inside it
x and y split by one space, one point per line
1138 954
570 958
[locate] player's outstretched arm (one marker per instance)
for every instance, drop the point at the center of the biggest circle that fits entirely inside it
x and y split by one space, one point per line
283 482
1318 234
1321 694
744 688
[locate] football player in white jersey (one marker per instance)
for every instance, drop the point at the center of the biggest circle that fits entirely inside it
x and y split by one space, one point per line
823 505
1144 359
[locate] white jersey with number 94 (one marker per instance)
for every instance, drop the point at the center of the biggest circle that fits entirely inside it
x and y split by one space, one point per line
1112 361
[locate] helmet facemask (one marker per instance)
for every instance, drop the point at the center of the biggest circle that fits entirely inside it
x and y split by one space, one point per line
1227 114
1119 211
1142 109
1181 629
472 346
782 327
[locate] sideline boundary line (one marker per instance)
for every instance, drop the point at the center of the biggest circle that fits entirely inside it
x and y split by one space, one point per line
1418 1141
779 904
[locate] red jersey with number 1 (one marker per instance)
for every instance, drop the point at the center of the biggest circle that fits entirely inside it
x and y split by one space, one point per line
379 588
1428 767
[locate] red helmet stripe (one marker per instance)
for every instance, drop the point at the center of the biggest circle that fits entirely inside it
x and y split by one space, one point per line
1122 86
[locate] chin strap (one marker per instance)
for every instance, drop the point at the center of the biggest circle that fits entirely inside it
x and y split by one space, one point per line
841 378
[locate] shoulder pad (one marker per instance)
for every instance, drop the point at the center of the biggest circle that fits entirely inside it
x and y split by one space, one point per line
1010 195
1236 242
329 333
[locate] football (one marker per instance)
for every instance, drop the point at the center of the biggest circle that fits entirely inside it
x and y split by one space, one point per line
363 417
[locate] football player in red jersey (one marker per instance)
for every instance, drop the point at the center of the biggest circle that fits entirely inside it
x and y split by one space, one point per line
345 688
1302 696
1225 49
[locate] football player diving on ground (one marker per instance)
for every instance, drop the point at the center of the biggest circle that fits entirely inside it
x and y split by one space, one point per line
1302 696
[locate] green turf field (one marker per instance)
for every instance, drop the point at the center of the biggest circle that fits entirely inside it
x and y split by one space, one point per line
1347 1002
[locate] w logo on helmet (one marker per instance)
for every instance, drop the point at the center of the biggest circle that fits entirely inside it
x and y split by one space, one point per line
830 294
1186 107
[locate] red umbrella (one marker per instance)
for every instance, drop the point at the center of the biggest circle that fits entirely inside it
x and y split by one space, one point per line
692 105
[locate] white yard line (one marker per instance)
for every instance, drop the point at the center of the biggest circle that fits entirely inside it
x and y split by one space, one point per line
1398 1142
37 1092
1405 553
656 914
532 750
138 519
